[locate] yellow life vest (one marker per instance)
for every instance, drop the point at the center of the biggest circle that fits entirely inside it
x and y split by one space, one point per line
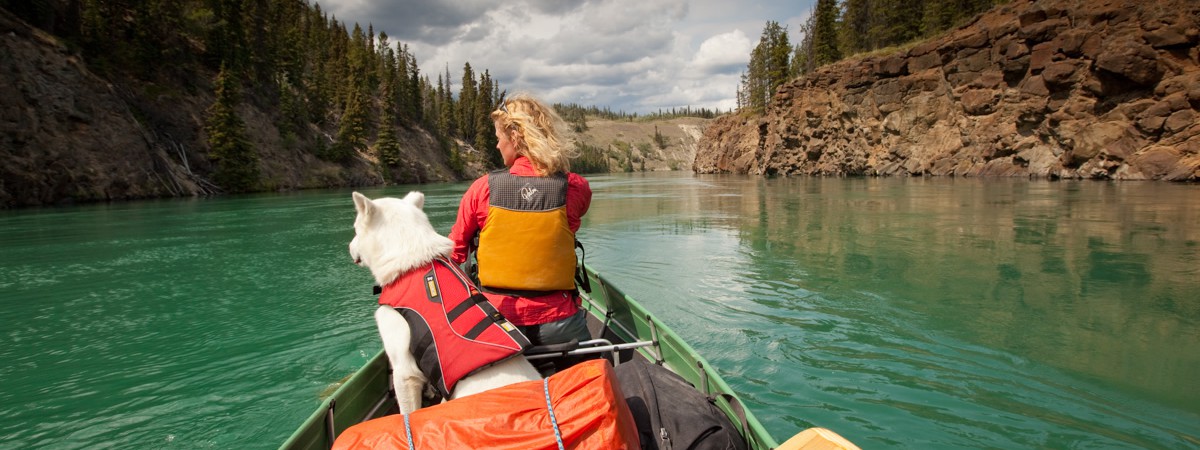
525 243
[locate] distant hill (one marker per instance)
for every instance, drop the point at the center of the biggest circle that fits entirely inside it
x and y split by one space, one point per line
644 145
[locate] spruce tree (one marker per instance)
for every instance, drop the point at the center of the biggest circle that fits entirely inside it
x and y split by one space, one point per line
484 104
467 106
352 133
237 162
899 21
388 147
857 21
825 35
769 66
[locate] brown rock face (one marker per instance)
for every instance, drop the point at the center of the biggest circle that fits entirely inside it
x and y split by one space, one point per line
68 135
1050 89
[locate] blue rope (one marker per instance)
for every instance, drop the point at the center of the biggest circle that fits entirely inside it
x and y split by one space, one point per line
550 407
408 432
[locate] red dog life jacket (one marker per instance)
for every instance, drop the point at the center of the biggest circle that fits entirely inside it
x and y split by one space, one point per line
455 331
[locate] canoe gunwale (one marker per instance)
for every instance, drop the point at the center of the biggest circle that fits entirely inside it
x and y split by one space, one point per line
362 395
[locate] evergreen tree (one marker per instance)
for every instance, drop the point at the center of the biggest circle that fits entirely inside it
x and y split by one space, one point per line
441 109
824 32
388 147
899 21
485 136
769 66
449 107
467 104
237 162
941 15
804 55
414 95
857 22
227 38
260 54
352 134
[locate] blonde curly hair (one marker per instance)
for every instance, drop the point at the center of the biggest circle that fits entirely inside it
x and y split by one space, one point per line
540 133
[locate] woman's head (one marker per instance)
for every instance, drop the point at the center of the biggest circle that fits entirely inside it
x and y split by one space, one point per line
526 126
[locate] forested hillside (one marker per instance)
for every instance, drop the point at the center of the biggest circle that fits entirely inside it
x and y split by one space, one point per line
130 99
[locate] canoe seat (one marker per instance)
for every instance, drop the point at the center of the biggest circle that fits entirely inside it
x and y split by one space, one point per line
552 349
588 347
552 358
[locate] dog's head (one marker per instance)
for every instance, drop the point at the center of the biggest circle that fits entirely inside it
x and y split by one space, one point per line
393 236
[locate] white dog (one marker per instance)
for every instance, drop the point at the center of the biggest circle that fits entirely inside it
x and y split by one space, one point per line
392 237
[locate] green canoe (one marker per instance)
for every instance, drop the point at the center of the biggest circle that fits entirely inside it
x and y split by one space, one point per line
613 316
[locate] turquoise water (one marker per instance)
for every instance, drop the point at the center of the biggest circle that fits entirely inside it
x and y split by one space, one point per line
902 313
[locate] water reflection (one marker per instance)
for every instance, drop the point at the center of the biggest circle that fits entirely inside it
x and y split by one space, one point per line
1017 313
1093 278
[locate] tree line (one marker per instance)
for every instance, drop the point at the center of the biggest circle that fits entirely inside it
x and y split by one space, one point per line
283 55
838 29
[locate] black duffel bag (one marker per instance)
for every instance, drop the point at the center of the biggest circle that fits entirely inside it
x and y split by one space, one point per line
671 414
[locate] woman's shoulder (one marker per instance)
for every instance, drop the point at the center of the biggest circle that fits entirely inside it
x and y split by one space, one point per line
574 178
480 184
578 182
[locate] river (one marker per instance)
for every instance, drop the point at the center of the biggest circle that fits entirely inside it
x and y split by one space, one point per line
899 312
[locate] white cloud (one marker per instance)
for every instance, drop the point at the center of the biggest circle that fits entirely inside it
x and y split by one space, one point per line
631 55
720 53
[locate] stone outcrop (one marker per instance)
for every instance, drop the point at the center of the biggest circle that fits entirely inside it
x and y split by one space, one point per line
1104 89
68 135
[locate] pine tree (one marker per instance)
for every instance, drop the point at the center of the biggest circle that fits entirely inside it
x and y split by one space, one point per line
450 107
857 21
352 134
388 147
467 105
227 38
825 35
237 162
441 110
414 95
779 53
804 54
484 131
899 21
769 66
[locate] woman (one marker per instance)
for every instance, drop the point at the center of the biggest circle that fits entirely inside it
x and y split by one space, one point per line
526 251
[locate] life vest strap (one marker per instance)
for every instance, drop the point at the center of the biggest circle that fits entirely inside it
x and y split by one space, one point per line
581 278
478 329
465 306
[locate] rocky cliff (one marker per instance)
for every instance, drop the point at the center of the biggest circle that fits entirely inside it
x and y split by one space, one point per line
68 135
1105 89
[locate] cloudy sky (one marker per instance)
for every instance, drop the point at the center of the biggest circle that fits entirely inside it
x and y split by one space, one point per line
629 55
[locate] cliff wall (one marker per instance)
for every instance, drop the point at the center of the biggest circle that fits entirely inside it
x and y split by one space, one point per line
68 135
1104 89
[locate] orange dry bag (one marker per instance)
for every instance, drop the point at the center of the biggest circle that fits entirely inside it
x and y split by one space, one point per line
581 408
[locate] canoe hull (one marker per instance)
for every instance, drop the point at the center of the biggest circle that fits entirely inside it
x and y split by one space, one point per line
612 315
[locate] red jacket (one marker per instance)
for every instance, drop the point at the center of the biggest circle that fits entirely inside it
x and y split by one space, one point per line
472 213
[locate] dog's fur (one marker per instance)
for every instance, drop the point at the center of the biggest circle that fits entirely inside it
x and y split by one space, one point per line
391 237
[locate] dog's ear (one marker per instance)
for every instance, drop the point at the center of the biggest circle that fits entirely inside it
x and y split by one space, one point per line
362 204
416 198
